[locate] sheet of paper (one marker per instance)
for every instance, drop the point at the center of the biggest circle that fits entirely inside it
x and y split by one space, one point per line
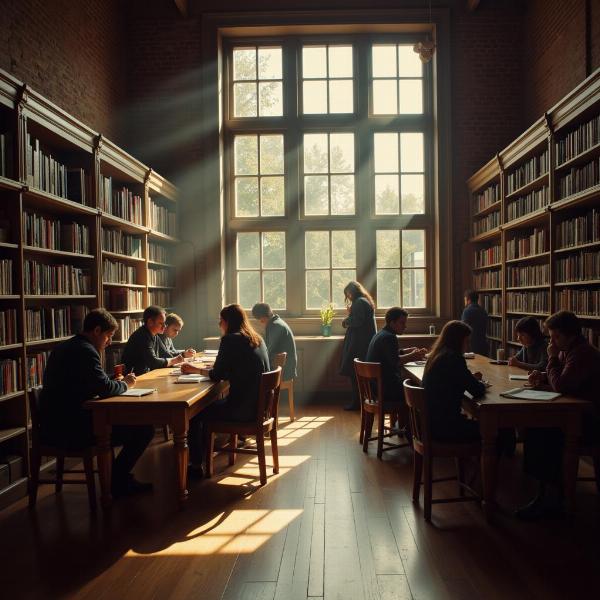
519 377
192 378
137 392
526 394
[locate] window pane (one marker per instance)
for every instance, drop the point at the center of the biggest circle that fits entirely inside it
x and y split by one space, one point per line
317 289
386 152
385 97
269 63
316 195
271 154
386 195
340 61
271 99
248 288
411 96
274 288
388 248
317 249
384 61
339 280
244 63
246 197
413 194
413 248
342 194
409 63
244 99
248 251
343 249
413 288
388 288
340 96
272 197
342 152
411 152
314 62
246 155
314 97
273 250
315 153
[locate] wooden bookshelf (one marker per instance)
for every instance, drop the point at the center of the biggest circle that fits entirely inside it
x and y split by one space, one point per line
544 195
55 210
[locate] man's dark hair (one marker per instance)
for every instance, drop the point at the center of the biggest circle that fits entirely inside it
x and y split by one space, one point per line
472 296
99 317
152 312
394 313
530 326
261 309
564 321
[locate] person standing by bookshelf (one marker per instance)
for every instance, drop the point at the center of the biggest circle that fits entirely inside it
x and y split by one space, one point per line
166 347
476 317
533 355
73 376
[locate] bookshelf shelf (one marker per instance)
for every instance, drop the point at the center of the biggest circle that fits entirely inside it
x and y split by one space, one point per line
126 312
512 343
589 317
136 286
8 246
60 297
529 287
12 395
489 337
49 202
578 247
161 287
575 283
12 432
533 314
527 220
532 185
489 209
118 256
581 198
154 263
10 347
10 184
134 228
583 157
44 342
9 297
495 316
487 235
162 237
58 252
484 290
530 257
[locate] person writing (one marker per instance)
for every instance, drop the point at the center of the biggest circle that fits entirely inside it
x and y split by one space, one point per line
166 347
74 375
476 317
533 354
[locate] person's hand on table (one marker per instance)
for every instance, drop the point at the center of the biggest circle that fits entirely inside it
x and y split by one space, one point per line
478 375
187 368
129 380
189 353
419 353
205 371
513 362
176 360
536 378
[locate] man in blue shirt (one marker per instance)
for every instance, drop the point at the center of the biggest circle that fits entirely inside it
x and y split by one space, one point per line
476 317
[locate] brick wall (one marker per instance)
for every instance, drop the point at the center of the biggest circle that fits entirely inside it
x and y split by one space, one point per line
69 51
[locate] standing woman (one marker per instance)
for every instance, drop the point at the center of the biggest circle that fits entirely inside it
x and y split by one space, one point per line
360 328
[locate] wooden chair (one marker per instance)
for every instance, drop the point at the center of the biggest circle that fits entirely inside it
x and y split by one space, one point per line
279 360
38 449
368 378
265 424
425 450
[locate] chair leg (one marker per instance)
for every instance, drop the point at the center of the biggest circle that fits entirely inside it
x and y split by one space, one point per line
460 475
233 440
363 422
60 469
369 418
88 466
290 391
262 462
275 451
417 475
166 432
210 451
380 427
596 460
428 483
36 461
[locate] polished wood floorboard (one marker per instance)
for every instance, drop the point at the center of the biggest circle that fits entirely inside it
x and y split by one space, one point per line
334 524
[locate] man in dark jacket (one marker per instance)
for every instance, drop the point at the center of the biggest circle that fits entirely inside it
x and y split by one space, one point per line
278 338
166 346
142 351
476 317
73 376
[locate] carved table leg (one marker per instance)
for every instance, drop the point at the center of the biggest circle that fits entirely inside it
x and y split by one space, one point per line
102 431
180 430
571 457
489 462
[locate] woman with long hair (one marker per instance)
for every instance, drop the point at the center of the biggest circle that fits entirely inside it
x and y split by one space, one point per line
446 378
360 328
241 360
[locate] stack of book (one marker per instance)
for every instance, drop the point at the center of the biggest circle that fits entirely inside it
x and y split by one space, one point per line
527 245
580 266
528 302
121 299
162 219
488 256
117 272
159 277
53 234
487 197
487 280
159 253
114 240
584 229
121 203
528 275
535 167
579 179
8 327
43 279
528 203
49 323
584 302
486 223
10 376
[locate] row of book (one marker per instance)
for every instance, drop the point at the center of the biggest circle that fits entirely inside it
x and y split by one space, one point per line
114 240
159 253
127 325
160 277
119 299
486 223
487 280
49 323
591 335
488 256
6 154
492 303
494 346
117 272
36 364
6 278
582 266
486 198
511 323
528 302
579 179
522 246
535 167
122 203
584 229
579 140
40 278
528 275
160 298
580 301
54 234
10 376
8 327
494 328
162 219
530 202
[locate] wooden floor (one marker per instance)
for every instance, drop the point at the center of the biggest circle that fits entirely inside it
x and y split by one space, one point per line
335 523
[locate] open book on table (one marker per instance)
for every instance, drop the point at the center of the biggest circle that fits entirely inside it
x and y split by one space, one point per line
192 378
528 394
137 392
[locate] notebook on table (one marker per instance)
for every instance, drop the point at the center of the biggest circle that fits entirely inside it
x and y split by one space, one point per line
192 378
515 377
528 394
137 392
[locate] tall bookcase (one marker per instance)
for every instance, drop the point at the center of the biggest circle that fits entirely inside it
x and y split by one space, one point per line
536 220
79 228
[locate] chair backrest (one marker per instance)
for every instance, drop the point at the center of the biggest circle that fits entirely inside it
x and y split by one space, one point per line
268 396
419 418
368 379
279 360
35 395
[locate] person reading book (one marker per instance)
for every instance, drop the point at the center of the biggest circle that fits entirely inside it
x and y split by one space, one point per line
74 375
533 354
166 346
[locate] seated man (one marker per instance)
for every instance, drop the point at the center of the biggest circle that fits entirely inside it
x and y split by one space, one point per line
278 338
166 347
141 353
572 369
74 375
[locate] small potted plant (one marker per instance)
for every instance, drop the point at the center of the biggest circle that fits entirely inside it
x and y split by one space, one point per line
327 314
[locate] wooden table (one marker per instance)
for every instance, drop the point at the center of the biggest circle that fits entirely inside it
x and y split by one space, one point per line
172 403
495 412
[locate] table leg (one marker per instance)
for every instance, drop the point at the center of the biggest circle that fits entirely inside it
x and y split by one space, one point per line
489 463
571 458
102 432
180 445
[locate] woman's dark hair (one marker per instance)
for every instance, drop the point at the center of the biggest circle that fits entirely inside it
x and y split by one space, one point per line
237 322
451 339
354 290
564 321
99 317
530 326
